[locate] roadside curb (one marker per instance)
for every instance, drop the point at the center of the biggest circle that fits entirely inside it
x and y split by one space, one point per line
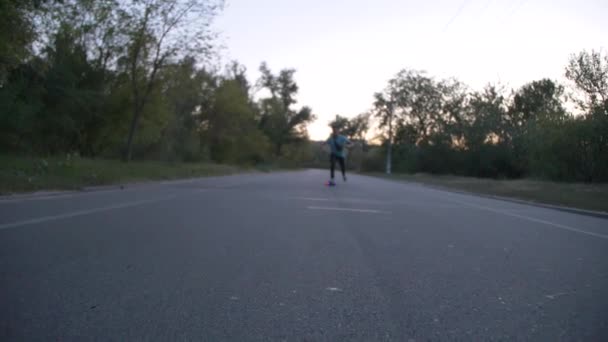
598 214
110 187
52 193
25 196
584 212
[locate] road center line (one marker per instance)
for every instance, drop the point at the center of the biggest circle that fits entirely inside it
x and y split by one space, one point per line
369 211
81 213
532 219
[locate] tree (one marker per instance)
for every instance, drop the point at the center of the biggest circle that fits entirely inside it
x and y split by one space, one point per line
589 73
417 104
354 128
454 102
229 126
17 32
384 105
485 117
282 124
418 101
61 110
359 126
184 90
357 129
73 87
341 123
99 26
21 101
160 30
537 101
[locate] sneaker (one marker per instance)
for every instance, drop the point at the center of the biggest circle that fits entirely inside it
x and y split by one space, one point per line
344 177
331 183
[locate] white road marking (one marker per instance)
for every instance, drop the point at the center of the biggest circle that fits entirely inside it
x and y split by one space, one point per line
34 197
81 213
343 199
178 181
532 219
334 289
370 211
553 296
311 199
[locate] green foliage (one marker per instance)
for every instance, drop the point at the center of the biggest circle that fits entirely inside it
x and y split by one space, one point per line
17 32
355 128
441 128
340 123
84 77
183 91
108 71
63 172
282 124
589 73
230 128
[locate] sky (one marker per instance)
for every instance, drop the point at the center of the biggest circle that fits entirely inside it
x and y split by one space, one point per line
345 51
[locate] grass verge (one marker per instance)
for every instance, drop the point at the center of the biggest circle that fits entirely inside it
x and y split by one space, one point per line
27 174
575 195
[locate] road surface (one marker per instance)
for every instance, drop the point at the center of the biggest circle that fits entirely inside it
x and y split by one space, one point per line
280 257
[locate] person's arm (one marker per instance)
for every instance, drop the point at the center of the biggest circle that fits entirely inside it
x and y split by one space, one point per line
349 143
324 143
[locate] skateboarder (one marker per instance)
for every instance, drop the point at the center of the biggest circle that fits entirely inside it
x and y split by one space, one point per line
337 144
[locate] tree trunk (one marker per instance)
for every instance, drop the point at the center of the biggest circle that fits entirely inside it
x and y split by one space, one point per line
134 122
279 149
389 153
360 156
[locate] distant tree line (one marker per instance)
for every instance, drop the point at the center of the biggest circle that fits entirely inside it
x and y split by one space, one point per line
132 79
543 129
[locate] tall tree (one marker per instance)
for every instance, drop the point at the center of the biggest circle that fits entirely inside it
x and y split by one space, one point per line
341 123
99 26
17 32
159 31
384 109
536 108
354 128
537 101
229 125
282 124
589 73
184 90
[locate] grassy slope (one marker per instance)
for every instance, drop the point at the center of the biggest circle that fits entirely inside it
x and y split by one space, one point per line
576 195
24 174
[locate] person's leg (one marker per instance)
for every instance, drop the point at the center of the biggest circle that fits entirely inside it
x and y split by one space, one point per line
332 165
342 167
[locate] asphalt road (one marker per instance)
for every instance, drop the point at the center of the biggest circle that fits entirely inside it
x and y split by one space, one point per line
281 257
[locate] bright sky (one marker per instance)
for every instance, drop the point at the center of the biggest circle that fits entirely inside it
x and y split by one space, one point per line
345 50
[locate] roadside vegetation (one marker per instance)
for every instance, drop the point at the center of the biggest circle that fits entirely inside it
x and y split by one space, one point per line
136 90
